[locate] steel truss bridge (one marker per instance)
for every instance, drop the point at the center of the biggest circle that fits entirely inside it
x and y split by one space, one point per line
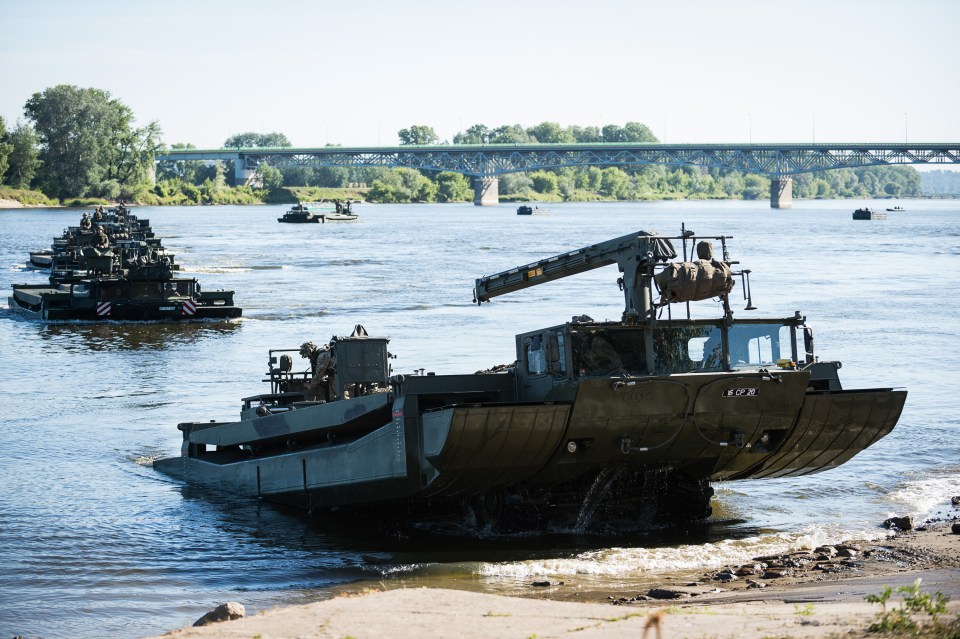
485 163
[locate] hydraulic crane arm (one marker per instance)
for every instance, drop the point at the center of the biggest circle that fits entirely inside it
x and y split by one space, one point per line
634 254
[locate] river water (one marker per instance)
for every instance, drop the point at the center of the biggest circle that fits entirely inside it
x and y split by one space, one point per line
95 543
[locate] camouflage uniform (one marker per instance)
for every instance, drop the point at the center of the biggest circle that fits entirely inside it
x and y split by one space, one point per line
102 241
322 387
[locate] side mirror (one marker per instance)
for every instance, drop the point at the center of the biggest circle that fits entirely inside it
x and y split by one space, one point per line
553 349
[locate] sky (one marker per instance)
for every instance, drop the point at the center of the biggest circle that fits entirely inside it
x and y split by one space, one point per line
355 72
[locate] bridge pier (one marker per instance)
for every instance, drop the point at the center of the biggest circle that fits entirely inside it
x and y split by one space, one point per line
781 193
242 176
486 190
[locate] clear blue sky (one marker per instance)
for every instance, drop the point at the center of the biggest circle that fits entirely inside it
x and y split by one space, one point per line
355 72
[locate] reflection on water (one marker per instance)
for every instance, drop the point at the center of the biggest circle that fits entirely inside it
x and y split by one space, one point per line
87 523
110 336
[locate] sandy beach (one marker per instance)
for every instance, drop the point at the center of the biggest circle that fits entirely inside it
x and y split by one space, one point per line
819 593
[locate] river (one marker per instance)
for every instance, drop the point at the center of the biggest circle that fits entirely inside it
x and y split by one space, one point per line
95 543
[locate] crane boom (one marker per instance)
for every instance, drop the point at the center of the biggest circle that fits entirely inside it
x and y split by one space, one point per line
634 254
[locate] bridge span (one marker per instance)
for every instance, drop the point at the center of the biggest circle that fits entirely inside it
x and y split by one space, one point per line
485 163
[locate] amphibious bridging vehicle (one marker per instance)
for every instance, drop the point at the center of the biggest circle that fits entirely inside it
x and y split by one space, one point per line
132 281
597 424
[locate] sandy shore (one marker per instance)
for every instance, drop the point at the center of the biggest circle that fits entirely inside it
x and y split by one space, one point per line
809 594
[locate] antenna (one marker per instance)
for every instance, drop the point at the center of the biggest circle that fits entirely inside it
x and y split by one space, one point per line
745 274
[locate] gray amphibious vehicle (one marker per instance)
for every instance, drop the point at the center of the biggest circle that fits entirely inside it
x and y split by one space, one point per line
618 423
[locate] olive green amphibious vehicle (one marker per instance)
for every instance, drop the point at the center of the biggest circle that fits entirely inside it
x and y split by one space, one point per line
618 423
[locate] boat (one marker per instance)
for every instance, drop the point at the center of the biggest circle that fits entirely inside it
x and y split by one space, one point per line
868 214
115 284
525 209
597 425
896 208
301 214
343 212
341 217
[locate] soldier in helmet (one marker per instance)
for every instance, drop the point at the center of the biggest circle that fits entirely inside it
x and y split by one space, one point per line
101 242
322 387
85 222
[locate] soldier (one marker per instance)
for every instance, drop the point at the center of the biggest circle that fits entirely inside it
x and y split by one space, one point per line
85 222
323 385
101 242
98 215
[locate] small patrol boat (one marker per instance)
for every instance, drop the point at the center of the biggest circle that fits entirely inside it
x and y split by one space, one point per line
868 214
343 212
595 426
301 214
526 209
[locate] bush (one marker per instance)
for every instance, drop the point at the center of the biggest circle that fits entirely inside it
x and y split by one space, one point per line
26 197
900 621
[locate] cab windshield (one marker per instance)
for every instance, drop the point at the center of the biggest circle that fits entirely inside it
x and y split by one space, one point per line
607 351
687 349
756 345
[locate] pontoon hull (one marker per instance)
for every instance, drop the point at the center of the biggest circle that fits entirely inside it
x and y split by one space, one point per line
362 452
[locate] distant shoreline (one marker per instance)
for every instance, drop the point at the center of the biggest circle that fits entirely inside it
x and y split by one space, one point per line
14 204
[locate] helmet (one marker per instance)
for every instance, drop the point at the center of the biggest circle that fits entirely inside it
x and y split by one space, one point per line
306 348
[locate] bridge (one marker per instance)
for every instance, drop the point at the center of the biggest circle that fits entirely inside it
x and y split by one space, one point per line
485 163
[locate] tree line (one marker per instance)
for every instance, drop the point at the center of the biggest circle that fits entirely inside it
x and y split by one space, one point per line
81 143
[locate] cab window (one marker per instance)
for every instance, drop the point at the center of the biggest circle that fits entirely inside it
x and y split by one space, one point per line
535 355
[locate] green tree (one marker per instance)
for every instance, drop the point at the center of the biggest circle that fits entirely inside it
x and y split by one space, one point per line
402 185
252 139
24 158
613 133
590 179
586 134
615 183
550 133
513 183
332 176
453 187
418 134
269 177
476 134
544 182
509 134
128 159
87 141
757 187
6 148
637 132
